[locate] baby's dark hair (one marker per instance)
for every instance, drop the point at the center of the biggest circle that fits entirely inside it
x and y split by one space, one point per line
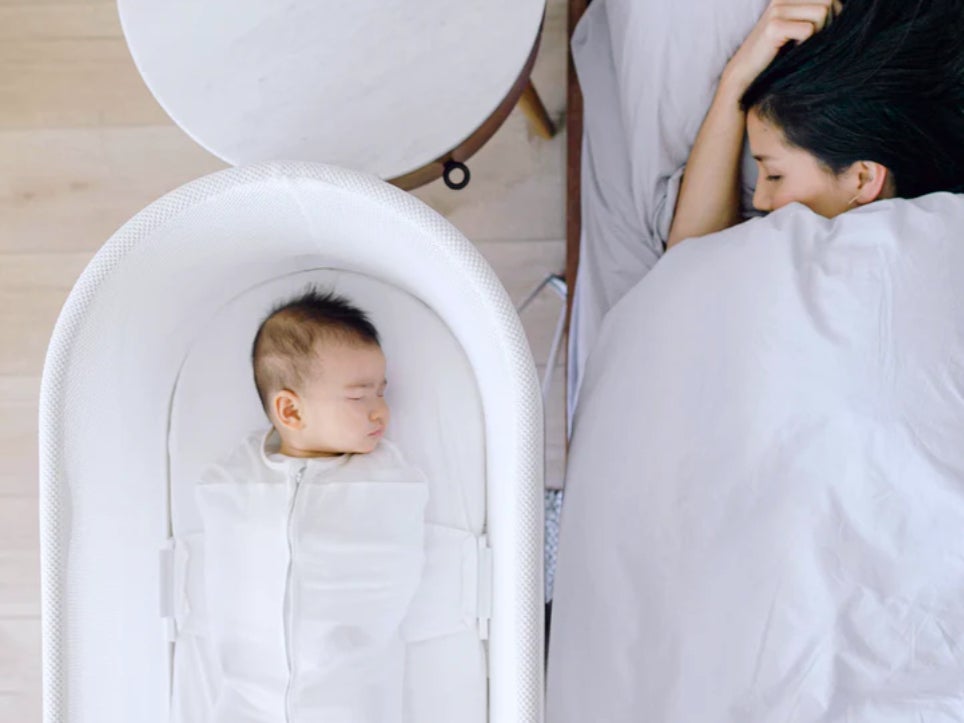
883 82
285 346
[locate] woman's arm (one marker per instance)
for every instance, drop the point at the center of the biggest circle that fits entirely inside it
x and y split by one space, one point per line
709 196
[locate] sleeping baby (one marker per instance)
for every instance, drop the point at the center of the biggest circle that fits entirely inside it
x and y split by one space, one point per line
314 531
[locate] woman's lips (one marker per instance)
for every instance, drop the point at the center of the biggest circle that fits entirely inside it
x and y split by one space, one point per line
377 433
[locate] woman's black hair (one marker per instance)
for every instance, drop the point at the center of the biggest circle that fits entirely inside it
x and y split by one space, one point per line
883 82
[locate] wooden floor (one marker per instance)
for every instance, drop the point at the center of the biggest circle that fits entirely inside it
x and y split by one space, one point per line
83 147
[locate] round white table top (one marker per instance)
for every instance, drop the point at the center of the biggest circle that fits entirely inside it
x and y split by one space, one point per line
384 86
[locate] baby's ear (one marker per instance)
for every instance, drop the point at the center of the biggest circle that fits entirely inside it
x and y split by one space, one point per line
286 406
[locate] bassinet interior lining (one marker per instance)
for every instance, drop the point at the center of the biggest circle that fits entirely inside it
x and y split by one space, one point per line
436 420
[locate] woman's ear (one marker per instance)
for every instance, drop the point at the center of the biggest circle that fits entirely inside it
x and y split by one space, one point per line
872 182
286 406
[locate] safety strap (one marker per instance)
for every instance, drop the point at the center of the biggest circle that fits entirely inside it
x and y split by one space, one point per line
455 592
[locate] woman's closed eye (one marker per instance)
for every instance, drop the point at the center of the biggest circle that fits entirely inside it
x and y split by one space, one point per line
774 177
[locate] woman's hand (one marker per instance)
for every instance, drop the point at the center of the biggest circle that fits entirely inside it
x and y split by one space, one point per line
783 21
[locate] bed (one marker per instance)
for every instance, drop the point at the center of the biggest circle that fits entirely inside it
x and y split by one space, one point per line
147 382
765 483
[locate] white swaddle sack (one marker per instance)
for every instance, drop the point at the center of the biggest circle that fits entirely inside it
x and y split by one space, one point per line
310 568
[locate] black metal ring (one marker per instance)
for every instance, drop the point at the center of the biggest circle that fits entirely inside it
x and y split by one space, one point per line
450 166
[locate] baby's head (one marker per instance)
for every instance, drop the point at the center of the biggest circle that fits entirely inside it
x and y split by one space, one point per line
320 372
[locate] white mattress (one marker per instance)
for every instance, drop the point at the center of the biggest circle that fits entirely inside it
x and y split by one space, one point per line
436 419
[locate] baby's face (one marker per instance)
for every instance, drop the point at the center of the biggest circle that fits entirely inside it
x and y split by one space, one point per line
343 404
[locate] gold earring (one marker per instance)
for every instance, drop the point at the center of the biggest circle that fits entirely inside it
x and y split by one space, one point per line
852 200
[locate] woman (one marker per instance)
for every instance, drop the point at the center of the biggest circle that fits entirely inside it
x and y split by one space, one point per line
842 108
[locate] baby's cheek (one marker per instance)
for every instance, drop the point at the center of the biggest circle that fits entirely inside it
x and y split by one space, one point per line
365 419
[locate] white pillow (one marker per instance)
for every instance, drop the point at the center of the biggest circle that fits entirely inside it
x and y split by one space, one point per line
668 58
648 71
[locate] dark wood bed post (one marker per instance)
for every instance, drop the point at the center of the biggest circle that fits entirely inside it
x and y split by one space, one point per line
573 157
573 163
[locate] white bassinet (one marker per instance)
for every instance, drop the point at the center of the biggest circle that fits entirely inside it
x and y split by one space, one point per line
147 380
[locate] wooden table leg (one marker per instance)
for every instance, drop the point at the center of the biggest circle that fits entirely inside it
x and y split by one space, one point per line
535 111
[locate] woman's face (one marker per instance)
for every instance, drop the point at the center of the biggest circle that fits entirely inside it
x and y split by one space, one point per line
788 174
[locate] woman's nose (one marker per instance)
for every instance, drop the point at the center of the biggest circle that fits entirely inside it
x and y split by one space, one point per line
761 201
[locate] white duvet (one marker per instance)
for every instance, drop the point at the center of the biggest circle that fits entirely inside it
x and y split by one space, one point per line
764 515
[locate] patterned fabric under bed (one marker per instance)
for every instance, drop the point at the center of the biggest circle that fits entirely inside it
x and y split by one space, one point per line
553 510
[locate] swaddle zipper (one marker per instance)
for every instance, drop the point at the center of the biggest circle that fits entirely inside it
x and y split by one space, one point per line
287 597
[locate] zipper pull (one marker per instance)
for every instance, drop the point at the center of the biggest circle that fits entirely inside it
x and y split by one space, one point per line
300 473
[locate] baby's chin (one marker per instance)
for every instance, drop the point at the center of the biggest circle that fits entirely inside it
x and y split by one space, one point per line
360 447
366 446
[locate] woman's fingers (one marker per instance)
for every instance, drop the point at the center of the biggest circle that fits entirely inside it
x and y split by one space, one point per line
825 3
783 21
835 9
781 32
817 13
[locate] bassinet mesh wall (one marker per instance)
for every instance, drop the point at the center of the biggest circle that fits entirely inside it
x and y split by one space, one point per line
166 271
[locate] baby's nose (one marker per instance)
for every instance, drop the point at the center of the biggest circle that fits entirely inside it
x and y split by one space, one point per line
379 412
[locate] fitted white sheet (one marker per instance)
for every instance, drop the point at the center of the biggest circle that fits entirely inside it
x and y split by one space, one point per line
765 502
436 421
